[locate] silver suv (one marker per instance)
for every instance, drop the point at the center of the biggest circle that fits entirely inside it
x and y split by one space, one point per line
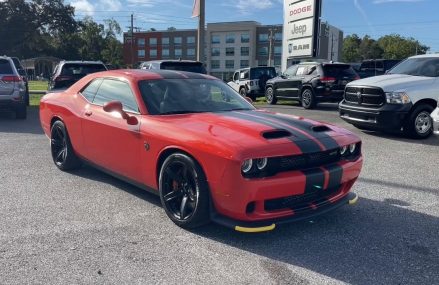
12 88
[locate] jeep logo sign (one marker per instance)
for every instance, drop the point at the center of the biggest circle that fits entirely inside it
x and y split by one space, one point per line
301 22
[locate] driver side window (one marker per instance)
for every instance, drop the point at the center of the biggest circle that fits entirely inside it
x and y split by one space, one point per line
115 90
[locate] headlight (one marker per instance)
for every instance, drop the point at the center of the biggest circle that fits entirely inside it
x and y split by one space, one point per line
247 165
352 148
397 98
261 163
343 150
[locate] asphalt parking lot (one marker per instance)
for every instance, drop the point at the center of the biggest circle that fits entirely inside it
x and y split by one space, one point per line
87 227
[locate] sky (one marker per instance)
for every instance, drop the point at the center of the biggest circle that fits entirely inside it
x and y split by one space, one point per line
409 18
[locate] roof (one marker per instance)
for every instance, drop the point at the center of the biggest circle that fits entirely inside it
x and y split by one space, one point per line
81 61
171 60
140 74
435 55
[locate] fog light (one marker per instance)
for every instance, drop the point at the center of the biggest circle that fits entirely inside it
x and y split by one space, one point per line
247 165
261 163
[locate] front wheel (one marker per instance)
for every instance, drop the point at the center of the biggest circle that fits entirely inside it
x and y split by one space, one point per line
184 191
308 99
269 95
242 92
420 125
61 148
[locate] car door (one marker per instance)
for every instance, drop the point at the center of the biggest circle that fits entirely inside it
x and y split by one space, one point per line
109 140
288 84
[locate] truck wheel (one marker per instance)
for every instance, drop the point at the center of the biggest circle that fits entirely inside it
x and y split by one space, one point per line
308 99
420 125
269 95
242 92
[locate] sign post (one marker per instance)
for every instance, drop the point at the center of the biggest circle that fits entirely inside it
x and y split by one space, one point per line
301 29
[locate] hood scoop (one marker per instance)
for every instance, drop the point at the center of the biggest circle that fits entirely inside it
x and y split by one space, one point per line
320 129
276 134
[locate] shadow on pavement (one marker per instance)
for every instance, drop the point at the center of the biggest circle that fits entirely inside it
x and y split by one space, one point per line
400 137
9 124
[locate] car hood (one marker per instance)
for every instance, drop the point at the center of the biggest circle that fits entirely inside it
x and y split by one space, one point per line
394 82
249 133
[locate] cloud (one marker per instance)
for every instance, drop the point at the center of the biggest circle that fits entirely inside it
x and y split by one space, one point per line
246 6
396 1
365 17
83 6
110 5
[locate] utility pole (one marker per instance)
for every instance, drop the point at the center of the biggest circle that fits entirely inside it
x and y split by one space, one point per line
132 41
270 48
332 46
201 32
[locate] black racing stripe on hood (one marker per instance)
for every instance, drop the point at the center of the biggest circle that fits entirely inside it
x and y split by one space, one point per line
305 144
322 137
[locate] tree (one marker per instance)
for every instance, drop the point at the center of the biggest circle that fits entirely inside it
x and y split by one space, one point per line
369 48
112 52
172 29
351 45
397 47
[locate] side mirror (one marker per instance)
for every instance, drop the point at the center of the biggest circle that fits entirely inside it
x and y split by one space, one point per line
116 106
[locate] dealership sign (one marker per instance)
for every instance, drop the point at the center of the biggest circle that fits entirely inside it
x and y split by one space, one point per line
301 24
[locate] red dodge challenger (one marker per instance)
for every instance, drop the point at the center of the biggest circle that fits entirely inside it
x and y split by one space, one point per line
208 153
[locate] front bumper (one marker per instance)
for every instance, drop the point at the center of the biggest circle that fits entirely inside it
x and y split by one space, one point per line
264 226
435 117
386 117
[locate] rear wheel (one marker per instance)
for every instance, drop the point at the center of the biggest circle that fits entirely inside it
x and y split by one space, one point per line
61 148
308 99
184 191
242 92
269 95
420 124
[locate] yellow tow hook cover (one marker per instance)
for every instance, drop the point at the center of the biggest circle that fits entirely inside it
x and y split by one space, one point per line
255 230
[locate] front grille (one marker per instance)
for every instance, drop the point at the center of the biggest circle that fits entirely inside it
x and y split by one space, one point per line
300 203
306 161
367 96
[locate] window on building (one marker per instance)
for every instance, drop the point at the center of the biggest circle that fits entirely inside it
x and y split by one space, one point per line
230 64
277 50
244 63
190 40
190 52
216 52
245 38
165 52
165 41
153 41
277 61
230 38
178 52
263 38
141 53
278 36
216 39
245 51
141 42
153 53
177 40
230 51
262 62
215 64
263 51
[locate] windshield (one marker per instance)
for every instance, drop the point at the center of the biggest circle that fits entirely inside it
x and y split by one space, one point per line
180 96
426 66
196 67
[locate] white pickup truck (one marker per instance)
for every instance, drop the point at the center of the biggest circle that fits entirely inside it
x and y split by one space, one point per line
400 100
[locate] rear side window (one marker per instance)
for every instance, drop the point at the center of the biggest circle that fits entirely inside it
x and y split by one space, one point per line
339 71
90 91
5 67
258 72
196 67
115 90
72 69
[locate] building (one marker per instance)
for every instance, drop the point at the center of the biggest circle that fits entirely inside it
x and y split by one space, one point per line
228 46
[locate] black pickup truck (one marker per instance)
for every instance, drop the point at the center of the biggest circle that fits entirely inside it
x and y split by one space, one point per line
374 67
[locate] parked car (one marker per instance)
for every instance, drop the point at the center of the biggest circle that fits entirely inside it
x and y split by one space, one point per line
435 117
251 81
12 88
311 83
22 71
68 72
169 64
374 67
208 153
400 100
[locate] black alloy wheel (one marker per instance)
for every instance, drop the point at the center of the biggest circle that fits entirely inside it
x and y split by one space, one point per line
308 99
270 97
62 151
183 191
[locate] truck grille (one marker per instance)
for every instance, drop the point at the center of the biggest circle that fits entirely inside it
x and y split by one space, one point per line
366 96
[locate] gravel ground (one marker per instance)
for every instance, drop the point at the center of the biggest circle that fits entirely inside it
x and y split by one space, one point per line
87 227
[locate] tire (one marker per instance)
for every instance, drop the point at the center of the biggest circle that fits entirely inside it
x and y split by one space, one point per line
270 97
307 99
242 92
21 112
61 148
184 191
419 124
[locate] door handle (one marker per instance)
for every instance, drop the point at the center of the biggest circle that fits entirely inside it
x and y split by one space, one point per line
88 113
